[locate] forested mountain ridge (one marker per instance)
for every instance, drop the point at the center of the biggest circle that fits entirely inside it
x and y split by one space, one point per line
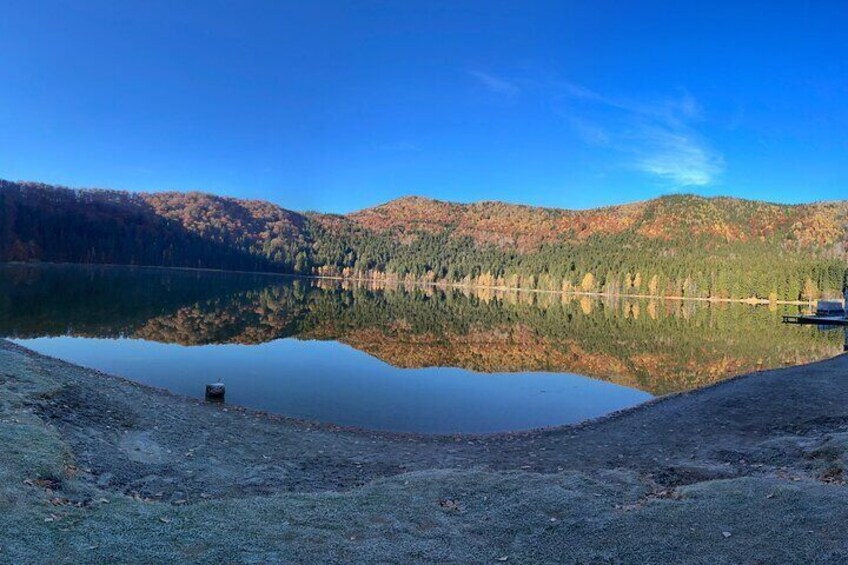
670 218
679 245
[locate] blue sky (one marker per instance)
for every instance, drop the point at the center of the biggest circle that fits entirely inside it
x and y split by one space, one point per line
337 106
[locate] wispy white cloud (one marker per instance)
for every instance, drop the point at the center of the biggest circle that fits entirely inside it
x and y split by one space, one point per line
679 157
656 137
659 137
496 84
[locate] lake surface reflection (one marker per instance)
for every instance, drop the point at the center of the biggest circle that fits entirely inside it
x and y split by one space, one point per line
418 359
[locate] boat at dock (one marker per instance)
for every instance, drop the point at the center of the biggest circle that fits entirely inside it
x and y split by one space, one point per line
828 313
830 308
815 319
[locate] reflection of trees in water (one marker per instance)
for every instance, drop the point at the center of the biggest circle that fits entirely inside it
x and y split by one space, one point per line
658 346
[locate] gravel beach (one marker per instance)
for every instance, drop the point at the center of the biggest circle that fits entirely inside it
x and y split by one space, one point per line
96 469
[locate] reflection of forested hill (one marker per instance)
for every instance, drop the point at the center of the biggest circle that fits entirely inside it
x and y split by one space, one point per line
102 301
657 346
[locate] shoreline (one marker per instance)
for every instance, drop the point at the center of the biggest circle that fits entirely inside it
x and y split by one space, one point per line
172 468
444 285
277 418
317 425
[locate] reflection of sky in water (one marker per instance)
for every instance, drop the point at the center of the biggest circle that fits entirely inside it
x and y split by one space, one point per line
332 382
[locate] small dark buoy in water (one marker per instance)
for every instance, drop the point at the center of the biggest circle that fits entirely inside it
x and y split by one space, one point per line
215 392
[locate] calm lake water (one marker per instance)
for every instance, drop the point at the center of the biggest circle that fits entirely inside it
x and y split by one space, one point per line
418 359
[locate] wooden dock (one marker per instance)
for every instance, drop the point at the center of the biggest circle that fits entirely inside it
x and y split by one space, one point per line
817 320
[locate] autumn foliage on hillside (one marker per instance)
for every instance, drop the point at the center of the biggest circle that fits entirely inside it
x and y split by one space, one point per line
260 228
508 226
723 220
679 245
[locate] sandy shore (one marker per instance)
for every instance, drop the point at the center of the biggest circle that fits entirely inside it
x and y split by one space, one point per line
99 469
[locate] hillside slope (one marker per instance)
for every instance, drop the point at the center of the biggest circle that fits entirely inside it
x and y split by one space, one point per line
678 245
669 218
